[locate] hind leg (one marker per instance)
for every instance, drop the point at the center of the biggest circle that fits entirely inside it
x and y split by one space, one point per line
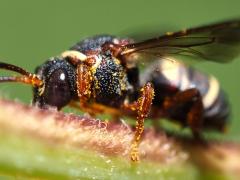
194 116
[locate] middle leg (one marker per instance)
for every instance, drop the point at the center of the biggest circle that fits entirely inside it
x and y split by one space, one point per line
142 107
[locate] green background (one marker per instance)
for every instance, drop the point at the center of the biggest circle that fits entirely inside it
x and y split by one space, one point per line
32 31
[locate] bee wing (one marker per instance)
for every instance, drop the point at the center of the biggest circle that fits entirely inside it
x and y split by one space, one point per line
218 42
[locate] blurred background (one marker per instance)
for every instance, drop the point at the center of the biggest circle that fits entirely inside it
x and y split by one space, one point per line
33 31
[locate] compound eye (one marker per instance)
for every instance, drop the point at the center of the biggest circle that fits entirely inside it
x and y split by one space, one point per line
57 89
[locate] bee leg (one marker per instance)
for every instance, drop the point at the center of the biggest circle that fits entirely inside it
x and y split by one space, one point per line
76 105
195 114
93 108
142 107
195 118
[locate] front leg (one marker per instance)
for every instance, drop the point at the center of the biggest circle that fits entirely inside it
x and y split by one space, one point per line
94 108
142 107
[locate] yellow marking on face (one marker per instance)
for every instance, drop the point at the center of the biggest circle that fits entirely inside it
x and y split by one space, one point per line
74 54
212 93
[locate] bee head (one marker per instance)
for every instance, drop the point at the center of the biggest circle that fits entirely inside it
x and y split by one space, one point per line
59 83
53 82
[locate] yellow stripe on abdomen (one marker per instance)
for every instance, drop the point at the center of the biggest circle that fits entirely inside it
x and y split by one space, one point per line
212 94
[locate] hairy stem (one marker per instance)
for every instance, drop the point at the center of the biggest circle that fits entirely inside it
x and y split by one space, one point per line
50 144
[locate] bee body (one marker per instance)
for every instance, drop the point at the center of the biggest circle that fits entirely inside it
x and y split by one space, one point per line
102 75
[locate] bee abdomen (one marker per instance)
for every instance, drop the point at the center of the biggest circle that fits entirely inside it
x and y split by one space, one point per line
216 107
170 78
217 114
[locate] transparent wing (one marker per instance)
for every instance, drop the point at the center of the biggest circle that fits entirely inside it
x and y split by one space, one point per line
218 42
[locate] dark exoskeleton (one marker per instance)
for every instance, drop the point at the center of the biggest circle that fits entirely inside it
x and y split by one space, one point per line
101 75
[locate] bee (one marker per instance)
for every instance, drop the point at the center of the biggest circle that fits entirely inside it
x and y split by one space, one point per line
101 74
